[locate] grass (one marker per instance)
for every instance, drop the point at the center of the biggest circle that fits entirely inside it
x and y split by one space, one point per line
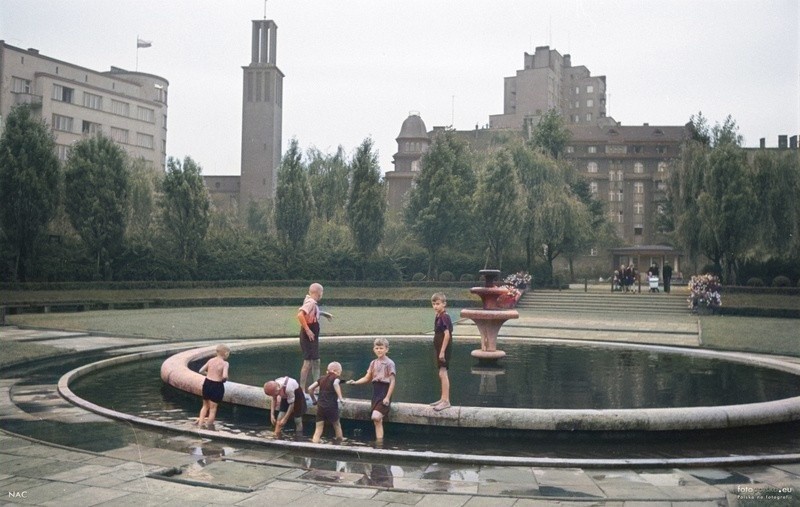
331 294
19 352
231 322
751 334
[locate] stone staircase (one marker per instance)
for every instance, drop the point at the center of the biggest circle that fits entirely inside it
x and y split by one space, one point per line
603 302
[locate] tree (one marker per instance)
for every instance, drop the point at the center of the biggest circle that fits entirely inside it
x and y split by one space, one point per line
294 204
439 202
777 187
366 205
329 177
498 206
185 208
30 180
96 191
144 184
726 207
550 135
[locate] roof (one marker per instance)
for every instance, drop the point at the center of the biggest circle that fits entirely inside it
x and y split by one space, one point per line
413 128
620 134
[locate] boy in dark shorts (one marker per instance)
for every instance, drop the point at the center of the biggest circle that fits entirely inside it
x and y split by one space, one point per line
216 370
382 373
308 316
290 401
330 395
442 346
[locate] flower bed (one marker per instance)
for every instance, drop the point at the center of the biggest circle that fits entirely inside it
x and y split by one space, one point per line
704 294
516 284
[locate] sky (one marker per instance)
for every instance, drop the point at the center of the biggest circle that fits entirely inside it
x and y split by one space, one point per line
356 68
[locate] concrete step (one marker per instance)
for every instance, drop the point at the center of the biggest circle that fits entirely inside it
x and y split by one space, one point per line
599 302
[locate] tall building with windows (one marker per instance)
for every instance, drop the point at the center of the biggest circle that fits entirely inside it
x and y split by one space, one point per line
549 81
129 107
262 119
412 143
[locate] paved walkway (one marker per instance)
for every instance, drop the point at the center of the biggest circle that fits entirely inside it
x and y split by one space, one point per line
140 467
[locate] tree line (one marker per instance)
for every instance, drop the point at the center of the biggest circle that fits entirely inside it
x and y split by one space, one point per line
518 205
731 206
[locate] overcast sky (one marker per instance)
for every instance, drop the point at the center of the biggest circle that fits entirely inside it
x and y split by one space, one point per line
356 68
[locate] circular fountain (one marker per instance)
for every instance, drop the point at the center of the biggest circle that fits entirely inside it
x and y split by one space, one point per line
490 318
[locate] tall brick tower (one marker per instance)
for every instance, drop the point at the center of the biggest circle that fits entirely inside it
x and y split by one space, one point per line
262 116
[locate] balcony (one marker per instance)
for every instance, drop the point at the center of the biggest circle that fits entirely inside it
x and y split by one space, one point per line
35 101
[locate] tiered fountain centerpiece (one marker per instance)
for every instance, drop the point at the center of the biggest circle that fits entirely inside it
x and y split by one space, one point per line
490 318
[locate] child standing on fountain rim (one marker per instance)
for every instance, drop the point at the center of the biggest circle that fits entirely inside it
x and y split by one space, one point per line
442 346
216 370
308 316
382 373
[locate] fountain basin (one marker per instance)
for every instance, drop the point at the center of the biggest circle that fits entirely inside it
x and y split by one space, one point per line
176 372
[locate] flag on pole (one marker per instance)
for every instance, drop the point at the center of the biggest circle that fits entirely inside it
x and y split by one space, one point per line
140 43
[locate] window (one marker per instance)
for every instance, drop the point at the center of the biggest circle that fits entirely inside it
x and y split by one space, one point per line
588 116
620 217
62 152
92 101
120 108
119 135
589 89
415 165
591 149
19 85
661 185
638 208
161 94
577 104
570 149
639 187
146 114
91 128
637 149
611 195
144 140
661 150
62 123
591 167
662 167
610 175
638 168
619 175
577 90
589 102
637 230
576 118
593 252
593 187
619 195
62 93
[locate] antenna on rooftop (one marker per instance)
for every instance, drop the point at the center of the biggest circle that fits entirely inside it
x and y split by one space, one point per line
265 9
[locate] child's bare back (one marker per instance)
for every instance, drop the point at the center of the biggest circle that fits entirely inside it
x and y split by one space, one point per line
217 369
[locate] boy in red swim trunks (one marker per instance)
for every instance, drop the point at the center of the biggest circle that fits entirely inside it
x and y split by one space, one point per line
216 370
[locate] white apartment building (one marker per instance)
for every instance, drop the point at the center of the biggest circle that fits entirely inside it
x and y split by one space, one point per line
129 107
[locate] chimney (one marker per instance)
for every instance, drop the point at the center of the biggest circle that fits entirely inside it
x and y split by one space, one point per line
782 142
762 143
793 142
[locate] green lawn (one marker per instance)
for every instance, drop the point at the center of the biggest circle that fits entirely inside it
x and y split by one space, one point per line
231 322
753 334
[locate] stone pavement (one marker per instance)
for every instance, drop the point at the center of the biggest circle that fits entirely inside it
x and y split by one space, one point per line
113 463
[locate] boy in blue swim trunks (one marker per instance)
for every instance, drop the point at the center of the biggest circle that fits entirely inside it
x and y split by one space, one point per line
216 370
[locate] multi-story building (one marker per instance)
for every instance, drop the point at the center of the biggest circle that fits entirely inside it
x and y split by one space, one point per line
412 142
262 117
129 107
549 81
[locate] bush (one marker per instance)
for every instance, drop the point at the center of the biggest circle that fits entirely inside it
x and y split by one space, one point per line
781 281
466 277
446 276
418 277
755 282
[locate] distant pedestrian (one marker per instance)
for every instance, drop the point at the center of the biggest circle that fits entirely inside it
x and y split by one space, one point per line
667 276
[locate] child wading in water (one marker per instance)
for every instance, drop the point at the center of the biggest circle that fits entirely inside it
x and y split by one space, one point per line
382 374
442 346
330 395
216 370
